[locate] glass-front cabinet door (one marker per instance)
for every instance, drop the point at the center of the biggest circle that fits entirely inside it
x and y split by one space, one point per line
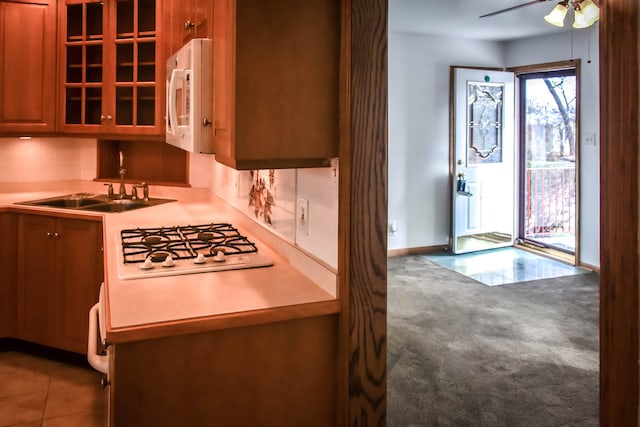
83 74
112 67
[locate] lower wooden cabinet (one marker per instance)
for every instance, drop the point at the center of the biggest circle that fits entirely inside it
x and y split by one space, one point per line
59 271
277 374
8 275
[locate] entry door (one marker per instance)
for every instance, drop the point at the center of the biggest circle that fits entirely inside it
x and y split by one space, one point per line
483 160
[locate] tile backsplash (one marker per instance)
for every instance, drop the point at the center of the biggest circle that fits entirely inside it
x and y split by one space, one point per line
273 197
47 159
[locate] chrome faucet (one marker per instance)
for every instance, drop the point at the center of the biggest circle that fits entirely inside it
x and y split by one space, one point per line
122 192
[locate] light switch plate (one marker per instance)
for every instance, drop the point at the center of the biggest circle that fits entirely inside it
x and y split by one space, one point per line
302 216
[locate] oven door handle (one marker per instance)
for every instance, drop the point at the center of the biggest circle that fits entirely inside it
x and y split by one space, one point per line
98 362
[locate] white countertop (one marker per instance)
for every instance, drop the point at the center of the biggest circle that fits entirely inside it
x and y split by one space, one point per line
144 302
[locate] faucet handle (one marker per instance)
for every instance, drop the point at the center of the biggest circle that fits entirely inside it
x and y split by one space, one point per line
145 192
109 190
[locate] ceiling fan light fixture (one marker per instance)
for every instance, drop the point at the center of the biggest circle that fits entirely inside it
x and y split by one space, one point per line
579 20
556 16
590 10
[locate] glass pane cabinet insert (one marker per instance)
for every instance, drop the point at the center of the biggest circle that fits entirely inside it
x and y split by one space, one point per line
135 47
83 82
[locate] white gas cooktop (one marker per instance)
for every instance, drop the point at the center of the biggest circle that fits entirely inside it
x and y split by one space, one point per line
188 249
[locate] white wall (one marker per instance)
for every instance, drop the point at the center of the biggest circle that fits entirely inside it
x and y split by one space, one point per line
47 159
419 202
419 66
559 47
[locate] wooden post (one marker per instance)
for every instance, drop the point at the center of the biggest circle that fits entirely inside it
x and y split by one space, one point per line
619 213
362 227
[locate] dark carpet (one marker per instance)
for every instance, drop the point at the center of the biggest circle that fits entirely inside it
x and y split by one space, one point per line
464 354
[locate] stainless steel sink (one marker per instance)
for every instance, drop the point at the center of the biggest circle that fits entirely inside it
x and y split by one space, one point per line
122 205
68 203
95 202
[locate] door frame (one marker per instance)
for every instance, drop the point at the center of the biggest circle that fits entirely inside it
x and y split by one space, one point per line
619 273
541 68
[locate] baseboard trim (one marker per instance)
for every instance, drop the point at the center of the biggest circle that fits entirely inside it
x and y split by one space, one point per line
594 268
417 251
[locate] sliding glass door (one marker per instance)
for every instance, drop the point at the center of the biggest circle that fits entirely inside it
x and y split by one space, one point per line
548 155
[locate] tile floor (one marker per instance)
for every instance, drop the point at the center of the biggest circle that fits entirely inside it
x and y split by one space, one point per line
40 392
505 265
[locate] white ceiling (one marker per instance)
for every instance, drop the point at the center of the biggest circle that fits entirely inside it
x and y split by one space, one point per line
460 18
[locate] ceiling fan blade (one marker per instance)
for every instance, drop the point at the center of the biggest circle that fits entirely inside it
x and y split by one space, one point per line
513 8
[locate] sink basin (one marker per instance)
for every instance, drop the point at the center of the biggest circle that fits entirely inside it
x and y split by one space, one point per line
125 205
68 203
95 202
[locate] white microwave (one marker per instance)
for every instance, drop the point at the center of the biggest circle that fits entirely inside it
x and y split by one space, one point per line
189 112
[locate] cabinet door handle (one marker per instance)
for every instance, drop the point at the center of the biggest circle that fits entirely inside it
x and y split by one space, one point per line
105 118
48 235
189 25
56 236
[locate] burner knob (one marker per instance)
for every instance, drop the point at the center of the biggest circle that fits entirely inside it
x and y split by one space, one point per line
200 259
147 264
168 262
219 256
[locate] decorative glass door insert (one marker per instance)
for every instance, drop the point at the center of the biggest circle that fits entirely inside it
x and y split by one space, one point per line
485 115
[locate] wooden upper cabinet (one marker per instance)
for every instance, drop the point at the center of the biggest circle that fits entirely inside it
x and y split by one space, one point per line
189 19
276 82
27 66
111 68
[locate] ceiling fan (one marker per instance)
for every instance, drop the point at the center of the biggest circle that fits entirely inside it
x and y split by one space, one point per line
529 3
586 12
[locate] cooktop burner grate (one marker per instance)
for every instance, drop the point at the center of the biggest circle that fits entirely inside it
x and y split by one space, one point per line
183 242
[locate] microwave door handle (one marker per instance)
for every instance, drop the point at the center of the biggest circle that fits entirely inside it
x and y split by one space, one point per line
172 114
167 120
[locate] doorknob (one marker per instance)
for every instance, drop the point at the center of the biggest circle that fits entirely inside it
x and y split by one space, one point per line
460 162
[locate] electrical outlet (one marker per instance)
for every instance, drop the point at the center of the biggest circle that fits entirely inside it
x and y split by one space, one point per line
393 228
590 139
302 216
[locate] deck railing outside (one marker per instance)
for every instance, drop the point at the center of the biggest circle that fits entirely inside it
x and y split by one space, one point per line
550 200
